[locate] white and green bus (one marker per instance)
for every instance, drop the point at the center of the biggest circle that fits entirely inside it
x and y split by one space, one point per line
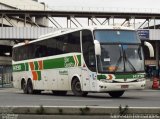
93 59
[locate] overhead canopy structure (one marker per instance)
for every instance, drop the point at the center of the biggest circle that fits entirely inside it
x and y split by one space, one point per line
20 22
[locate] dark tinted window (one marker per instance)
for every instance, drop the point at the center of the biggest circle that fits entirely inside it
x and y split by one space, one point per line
51 46
31 50
40 49
15 54
60 44
88 50
67 43
74 42
19 53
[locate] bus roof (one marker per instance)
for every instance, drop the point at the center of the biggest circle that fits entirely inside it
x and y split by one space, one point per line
70 30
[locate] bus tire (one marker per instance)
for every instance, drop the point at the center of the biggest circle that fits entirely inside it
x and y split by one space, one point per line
116 94
30 87
24 86
76 88
59 93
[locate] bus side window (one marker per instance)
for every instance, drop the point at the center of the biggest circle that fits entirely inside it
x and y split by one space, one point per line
74 42
66 47
31 51
25 52
15 55
51 46
20 52
40 49
60 44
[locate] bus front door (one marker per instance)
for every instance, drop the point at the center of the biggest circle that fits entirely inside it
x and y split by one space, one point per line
85 79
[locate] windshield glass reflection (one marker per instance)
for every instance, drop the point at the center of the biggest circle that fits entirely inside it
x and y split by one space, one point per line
120 58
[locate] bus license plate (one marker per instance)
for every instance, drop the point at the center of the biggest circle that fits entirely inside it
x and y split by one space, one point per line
124 86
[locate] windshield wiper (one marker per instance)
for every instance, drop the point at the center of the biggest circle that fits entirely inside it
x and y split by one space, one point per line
130 64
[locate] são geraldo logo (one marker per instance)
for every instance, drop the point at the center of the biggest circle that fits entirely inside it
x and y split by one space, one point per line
17 67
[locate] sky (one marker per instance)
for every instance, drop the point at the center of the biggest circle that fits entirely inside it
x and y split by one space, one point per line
112 5
153 4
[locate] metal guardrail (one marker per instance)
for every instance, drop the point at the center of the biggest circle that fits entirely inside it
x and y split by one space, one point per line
104 9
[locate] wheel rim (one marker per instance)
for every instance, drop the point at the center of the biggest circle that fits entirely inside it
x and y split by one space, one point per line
24 87
29 87
78 86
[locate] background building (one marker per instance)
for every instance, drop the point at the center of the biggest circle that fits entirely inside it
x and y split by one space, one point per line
10 25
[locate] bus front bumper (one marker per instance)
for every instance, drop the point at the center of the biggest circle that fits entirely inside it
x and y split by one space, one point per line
104 87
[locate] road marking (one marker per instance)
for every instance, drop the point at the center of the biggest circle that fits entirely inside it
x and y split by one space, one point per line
73 100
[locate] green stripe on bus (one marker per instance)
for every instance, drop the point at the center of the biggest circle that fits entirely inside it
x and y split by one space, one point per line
101 77
130 76
39 75
122 76
53 63
18 67
35 65
63 62
26 67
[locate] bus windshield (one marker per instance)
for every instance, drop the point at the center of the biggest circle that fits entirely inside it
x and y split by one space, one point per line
119 54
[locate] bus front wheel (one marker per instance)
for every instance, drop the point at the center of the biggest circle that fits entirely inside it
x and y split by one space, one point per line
76 88
116 94
29 87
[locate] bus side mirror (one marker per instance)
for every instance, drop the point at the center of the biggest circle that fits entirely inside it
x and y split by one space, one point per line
97 47
150 47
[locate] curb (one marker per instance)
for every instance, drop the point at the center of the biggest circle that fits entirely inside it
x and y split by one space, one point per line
80 110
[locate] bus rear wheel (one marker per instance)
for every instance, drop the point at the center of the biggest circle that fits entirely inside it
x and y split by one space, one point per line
24 87
116 94
76 88
30 87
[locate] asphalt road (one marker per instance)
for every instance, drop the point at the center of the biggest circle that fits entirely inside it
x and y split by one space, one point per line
135 98
64 117
61 117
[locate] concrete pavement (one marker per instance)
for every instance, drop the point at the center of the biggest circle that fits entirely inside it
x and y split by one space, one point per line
13 103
